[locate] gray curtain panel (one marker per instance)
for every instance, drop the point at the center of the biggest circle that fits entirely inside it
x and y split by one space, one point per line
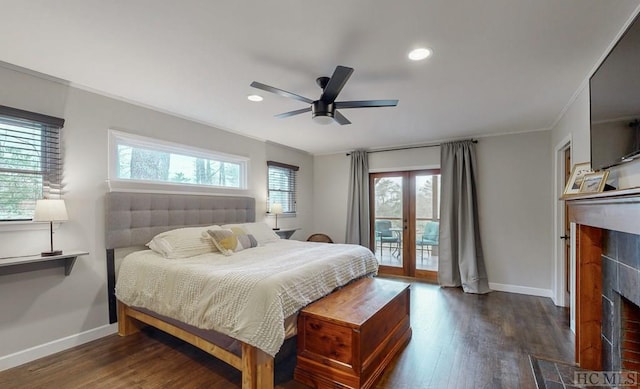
358 206
461 261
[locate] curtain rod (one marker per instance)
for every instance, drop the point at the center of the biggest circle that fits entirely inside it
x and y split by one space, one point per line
406 148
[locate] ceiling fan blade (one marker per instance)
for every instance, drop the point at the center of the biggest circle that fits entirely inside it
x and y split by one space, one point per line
291 113
338 117
280 92
336 83
366 103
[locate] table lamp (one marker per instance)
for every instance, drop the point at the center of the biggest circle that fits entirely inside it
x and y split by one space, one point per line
276 209
50 211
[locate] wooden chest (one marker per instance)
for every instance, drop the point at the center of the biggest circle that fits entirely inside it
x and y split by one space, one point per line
346 339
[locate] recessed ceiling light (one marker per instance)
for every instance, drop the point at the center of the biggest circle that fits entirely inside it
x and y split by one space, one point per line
420 54
254 98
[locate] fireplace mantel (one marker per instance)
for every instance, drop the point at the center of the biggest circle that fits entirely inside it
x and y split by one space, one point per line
617 210
593 213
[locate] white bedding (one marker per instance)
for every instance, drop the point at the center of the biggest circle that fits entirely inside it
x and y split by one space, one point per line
247 295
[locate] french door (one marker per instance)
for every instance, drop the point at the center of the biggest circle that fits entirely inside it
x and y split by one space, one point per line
405 216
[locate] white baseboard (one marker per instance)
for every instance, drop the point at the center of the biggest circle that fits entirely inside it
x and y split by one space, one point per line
43 350
521 289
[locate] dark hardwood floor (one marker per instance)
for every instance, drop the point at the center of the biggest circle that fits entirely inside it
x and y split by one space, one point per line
459 341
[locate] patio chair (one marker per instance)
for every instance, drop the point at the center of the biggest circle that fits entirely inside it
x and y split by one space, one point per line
385 235
430 238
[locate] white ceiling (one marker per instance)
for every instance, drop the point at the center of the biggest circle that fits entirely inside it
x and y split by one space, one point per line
499 66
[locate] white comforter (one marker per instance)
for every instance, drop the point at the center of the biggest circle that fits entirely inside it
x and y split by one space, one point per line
247 295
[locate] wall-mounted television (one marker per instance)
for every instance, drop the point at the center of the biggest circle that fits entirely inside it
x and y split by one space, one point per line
615 103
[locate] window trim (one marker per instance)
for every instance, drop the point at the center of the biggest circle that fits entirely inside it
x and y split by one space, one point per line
171 147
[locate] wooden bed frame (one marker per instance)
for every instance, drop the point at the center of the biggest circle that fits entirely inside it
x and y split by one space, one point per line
257 367
132 219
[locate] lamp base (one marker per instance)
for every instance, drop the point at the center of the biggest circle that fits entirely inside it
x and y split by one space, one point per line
51 253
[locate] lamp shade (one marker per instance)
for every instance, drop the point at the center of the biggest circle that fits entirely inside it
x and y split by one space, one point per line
50 210
276 208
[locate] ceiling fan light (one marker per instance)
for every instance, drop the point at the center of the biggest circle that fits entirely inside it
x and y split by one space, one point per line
420 54
322 112
254 98
323 119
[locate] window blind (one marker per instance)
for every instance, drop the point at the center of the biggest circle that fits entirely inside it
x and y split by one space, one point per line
282 186
30 161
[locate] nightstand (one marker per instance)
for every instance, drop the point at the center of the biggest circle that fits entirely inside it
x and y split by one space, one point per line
285 233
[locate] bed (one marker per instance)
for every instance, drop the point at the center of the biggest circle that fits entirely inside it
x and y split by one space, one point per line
245 330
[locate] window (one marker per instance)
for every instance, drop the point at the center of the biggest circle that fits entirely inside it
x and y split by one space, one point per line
282 186
141 159
30 161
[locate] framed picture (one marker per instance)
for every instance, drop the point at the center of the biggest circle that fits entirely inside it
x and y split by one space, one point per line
594 182
575 180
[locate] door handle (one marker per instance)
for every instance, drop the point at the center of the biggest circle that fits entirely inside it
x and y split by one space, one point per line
565 237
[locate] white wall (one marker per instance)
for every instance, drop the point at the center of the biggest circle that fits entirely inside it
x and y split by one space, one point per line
411 159
44 306
330 188
514 203
575 124
515 207
304 186
331 183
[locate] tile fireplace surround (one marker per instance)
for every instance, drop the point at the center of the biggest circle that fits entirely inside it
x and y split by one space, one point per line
607 273
620 292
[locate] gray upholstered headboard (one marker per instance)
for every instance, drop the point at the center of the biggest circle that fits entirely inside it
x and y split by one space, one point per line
132 219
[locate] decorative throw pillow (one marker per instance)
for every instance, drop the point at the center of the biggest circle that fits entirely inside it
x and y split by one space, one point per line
229 241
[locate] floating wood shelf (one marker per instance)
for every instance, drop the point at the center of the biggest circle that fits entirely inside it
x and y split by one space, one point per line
285 233
13 265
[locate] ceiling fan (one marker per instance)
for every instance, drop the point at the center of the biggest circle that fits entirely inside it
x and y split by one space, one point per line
324 110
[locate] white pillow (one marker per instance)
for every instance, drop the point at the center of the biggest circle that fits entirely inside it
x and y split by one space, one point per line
236 225
261 231
183 242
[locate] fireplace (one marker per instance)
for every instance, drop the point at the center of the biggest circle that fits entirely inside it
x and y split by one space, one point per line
620 301
630 336
607 293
